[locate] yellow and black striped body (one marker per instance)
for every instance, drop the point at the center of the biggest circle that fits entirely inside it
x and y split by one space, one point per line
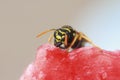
59 37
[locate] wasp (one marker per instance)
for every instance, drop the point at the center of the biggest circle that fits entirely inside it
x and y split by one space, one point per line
66 37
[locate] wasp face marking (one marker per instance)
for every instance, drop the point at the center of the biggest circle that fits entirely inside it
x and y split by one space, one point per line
58 38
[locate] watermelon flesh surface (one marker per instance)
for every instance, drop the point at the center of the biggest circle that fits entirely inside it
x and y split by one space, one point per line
86 63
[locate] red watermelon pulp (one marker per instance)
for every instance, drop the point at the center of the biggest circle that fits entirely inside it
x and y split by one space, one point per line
86 63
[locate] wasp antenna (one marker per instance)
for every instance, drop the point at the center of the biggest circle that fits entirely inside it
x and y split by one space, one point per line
66 39
75 38
50 38
42 33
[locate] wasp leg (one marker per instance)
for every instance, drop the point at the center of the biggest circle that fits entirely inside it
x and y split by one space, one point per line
80 37
50 38
74 40
88 40
45 32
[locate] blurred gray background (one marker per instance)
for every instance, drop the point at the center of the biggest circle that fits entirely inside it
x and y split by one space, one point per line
22 20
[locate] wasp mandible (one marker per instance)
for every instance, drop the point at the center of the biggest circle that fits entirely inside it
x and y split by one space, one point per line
66 37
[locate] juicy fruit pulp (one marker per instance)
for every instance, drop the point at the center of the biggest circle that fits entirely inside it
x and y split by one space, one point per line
87 63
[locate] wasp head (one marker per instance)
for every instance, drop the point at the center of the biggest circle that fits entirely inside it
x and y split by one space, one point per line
59 36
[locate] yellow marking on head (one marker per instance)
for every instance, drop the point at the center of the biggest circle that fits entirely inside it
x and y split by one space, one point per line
58 37
63 36
57 40
67 29
61 32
